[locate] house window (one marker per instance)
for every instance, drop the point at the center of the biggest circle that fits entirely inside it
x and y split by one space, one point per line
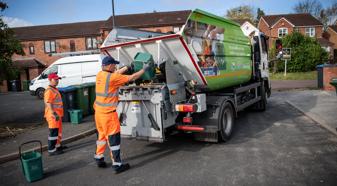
282 32
310 31
31 48
296 29
176 29
91 43
49 46
72 46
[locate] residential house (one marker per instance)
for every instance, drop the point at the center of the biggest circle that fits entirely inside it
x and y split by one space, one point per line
277 26
44 44
331 35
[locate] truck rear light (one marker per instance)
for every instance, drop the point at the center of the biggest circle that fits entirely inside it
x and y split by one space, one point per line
187 120
173 92
192 128
186 107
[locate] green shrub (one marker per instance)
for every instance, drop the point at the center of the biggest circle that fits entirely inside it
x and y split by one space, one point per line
306 53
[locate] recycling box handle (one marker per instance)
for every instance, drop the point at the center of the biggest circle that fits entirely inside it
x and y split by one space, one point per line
33 141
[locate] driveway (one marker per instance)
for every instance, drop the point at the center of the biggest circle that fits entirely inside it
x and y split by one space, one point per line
20 109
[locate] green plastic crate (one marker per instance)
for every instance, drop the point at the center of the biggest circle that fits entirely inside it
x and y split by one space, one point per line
31 162
138 62
75 116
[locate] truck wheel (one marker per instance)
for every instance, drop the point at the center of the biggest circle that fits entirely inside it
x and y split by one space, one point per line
226 121
40 93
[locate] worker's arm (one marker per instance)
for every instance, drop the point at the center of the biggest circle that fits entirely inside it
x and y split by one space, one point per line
122 70
136 75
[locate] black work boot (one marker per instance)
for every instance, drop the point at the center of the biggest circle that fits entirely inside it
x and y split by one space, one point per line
100 163
121 168
62 147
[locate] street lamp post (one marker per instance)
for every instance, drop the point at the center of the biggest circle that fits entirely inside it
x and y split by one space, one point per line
113 14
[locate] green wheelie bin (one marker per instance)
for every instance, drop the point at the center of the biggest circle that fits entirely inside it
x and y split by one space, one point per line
92 95
82 98
68 98
333 82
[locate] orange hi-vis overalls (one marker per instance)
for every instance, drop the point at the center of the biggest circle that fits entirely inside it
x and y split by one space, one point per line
106 117
53 96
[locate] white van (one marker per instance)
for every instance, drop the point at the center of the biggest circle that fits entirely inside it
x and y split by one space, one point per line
73 70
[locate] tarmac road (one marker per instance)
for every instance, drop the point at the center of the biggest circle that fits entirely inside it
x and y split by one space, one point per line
280 146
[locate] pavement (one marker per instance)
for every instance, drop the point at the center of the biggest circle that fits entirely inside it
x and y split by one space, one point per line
293 84
292 143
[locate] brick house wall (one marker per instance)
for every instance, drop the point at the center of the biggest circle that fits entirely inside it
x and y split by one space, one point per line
329 72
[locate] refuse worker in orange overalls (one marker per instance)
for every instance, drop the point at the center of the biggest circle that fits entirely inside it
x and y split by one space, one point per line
107 123
53 114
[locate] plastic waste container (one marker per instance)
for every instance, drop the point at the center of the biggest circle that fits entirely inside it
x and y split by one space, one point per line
82 99
320 76
138 62
333 82
75 116
15 85
25 85
92 96
68 99
31 162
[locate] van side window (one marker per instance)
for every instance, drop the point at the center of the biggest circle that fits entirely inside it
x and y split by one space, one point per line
51 69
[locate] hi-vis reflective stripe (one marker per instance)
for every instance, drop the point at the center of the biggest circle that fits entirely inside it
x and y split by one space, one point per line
106 89
53 150
116 147
56 106
58 100
98 142
99 156
52 138
107 95
117 163
114 104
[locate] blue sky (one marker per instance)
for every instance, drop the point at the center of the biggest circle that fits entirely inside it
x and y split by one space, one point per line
42 12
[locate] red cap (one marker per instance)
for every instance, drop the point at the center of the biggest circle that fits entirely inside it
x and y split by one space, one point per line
53 76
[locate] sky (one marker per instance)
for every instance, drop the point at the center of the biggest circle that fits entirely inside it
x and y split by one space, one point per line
44 12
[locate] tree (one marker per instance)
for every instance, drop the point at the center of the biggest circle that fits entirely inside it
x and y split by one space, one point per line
331 13
241 12
9 45
306 53
314 7
259 14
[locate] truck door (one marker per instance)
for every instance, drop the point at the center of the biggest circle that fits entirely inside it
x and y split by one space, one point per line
263 56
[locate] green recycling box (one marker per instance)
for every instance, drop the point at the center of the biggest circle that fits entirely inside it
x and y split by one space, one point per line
141 58
75 116
82 98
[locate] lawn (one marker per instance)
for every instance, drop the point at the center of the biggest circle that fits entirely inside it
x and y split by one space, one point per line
294 76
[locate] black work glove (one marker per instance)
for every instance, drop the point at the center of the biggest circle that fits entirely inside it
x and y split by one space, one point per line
57 117
146 66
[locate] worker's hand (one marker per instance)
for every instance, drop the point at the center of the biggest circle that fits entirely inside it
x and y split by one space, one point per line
130 68
57 117
146 66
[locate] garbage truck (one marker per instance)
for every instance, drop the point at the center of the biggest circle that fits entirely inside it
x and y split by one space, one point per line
201 77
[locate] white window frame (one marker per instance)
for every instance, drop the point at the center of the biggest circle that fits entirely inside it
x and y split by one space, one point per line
282 32
91 43
50 46
310 31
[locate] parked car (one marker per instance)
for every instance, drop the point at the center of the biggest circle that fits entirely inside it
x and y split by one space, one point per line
73 70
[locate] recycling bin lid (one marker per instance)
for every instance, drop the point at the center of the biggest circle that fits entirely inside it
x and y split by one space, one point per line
67 89
88 84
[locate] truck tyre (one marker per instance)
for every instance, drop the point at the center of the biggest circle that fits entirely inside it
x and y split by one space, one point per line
262 104
40 93
226 121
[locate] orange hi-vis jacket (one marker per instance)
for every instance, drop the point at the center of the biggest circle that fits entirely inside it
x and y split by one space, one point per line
53 96
107 85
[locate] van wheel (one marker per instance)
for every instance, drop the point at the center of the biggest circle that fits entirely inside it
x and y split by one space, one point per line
40 93
226 121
